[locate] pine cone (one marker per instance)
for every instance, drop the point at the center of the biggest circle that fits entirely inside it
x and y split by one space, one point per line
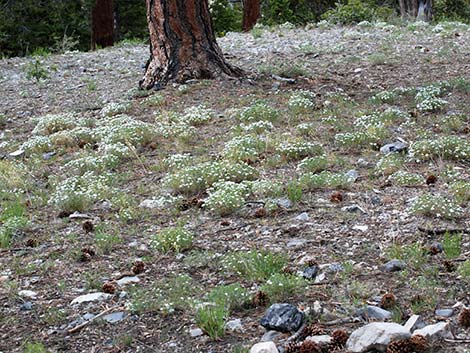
431 179
309 347
419 343
291 348
312 263
287 270
339 338
87 254
336 197
464 317
31 243
88 226
138 267
311 330
388 301
402 346
260 299
449 266
109 287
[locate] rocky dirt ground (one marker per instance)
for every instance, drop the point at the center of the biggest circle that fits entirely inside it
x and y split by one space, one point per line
410 85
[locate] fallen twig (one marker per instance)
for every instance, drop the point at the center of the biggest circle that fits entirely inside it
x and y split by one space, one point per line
79 327
347 320
457 340
440 231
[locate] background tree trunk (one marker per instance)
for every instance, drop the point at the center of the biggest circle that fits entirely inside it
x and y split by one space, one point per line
182 43
251 13
416 9
102 19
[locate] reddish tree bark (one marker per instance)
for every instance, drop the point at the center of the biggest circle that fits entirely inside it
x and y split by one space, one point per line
251 13
182 43
102 19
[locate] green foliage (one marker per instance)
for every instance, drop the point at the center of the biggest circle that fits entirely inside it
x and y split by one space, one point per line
36 347
37 71
293 11
455 10
226 17
12 221
211 319
255 265
452 245
355 11
231 297
280 287
105 240
175 239
436 205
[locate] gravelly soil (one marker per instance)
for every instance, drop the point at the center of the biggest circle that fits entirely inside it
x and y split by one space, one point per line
358 62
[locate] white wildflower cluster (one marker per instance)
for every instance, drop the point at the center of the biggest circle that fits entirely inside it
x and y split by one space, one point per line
330 120
306 128
258 111
325 179
391 115
263 188
244 148
195 116
428 98
301 101
198 178
37 144
177 161
163 202
461 190
455 122
115 108
226 197
78 136
13 177
447 28
313 164
404 178
418 26
299 150
324 24
154 100
446 147
364 24
79 192
10 227
230 296
174 239
370 131
176 129
385 97
389 164
51 123
436 205
286 25
124 129
257 127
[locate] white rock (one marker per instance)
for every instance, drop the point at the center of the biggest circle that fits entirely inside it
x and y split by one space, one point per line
412 322
441 329
303 217
16 153
320 339
377 336
92 297
234 325
150 203
196 332
361 228
264 347
127 280
27 294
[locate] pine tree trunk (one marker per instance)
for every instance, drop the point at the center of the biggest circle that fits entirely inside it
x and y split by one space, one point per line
182 44
102 19
251 13
416 9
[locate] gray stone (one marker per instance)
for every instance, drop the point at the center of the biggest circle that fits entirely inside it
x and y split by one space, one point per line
283 318
26 306
353 209
394 266
115 317
304 217
441 329
310 272
264 347
352 175
444 312
48 155
374 312
397 147
92 297
376 335
27 294
234 325
414 322
270 336
283 202
320 339
127 280
195 332
335 267
296 243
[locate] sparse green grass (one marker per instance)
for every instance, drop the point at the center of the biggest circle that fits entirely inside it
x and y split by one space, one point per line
254 265
281 287
452 245
175 239
211 319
